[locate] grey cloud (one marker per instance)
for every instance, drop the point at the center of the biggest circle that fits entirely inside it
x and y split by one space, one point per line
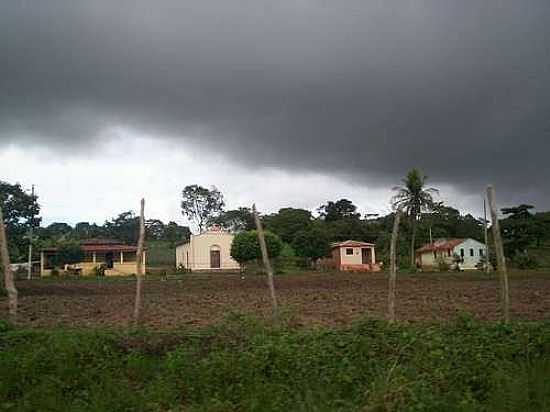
365 89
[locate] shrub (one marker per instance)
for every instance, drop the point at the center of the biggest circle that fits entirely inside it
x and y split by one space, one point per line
246 364
443 265
98 270
524 261
245 246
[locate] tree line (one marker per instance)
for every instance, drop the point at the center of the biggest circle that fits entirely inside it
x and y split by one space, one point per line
305 233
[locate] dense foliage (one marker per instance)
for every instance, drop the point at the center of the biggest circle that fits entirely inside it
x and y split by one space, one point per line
245 246
20 211
312 243
243 365
526 233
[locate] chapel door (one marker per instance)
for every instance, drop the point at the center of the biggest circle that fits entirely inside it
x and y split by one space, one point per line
215 261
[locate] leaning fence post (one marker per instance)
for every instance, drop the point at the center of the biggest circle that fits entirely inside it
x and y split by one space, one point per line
393 266
139 267
8 274
265 258
499 250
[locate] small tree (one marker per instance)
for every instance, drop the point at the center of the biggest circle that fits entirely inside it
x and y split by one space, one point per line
311 243
414 198
246 248
201 204
69 253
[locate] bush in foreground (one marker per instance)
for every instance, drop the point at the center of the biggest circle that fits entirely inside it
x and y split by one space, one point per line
246 365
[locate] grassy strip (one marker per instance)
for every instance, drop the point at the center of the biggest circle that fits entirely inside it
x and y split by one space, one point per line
246 365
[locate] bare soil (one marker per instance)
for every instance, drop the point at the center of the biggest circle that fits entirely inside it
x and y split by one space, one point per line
313 299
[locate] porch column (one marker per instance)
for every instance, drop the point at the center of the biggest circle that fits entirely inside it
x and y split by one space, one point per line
373 257
121 257
93 257
41 263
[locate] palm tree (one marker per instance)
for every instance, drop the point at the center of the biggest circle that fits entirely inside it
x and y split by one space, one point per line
413 198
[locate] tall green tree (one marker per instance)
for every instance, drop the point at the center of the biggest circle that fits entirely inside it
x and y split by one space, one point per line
414 198
201 205
339 210
236 220
519 229
21 211
312 243
124 227
287 222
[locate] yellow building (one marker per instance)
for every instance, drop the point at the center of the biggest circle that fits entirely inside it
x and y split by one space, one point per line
117 258
208 251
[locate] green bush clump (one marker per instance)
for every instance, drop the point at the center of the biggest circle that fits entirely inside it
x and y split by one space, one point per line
524 261
245 364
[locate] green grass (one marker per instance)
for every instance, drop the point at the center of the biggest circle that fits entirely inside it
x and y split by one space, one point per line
245 365
541 255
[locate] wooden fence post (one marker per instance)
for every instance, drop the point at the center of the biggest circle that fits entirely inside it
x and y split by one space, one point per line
139 266
393 266
265 258
499 250
8 274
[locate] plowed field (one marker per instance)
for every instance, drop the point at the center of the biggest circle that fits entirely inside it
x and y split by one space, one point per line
313 299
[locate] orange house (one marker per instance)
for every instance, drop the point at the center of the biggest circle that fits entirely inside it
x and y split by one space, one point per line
354 255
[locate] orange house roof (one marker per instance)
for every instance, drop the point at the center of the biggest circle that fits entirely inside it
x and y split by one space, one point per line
351 243
445 244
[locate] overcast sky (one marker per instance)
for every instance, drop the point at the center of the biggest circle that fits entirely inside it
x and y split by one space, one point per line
283 103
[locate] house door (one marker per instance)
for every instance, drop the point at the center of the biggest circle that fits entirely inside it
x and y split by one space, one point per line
215 261
366 256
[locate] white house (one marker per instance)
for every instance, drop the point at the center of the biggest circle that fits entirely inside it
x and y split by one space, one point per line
208 251
468 253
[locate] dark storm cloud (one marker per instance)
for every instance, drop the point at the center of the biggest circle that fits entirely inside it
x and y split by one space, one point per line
460 89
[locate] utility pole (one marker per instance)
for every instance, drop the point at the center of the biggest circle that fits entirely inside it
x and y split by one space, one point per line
29 268
487 262
431 240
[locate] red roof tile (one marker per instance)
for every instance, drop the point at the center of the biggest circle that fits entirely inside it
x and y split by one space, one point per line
444 244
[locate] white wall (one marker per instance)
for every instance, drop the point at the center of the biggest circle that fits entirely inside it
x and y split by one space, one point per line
478 249
199 248
356 258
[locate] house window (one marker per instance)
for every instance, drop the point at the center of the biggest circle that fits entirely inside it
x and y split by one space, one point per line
481 252
349 251
472 252
461 252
